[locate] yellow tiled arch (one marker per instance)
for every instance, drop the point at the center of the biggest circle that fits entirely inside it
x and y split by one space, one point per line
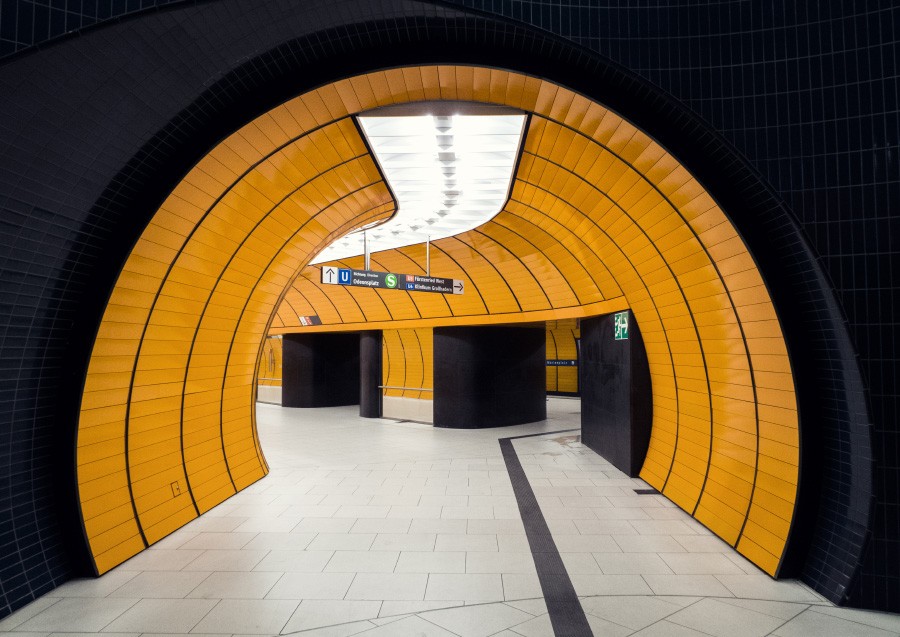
600 218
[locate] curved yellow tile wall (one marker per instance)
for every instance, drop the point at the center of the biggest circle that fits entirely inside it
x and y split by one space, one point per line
561 345
167 426
600 218
407 360
268 371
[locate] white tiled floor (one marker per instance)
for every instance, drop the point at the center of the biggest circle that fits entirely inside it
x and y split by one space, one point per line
379 528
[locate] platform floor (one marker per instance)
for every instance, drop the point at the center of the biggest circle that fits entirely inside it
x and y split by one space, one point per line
385 528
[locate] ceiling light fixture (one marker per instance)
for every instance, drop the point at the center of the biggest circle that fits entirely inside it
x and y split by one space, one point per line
449 174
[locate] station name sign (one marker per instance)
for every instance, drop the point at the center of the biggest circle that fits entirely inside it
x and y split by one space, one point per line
391 281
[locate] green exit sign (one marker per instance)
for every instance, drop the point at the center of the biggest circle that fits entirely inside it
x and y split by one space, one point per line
622 326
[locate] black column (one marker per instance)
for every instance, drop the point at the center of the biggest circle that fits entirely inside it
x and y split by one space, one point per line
616 399
370 374
489 376
320 370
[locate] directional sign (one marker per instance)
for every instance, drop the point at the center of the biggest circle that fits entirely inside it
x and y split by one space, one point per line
558 362
330 275
391 281
621 326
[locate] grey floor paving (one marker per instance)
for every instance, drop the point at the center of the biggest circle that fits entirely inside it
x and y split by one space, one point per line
379 528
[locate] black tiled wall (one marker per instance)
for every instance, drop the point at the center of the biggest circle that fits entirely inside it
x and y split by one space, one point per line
489 376
807 92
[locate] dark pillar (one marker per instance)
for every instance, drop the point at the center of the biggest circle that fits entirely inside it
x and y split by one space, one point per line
320 370
616 399
370 374
489 376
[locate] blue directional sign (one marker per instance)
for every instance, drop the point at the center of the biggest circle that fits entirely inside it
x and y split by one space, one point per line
388 280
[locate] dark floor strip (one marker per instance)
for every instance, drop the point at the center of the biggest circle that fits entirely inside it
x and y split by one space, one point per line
566 615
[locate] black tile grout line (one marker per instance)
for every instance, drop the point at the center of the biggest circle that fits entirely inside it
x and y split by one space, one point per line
566 614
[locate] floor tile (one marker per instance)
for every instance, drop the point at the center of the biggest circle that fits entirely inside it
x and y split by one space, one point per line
10 622
495 527
468 542
160 560
810 622
782 610
362 562
392 608
439 527
501 562
235 586
885 621
324 525
700 585
247 617
351 511
77 615
294 561
631 563
514 543
668 629
415 512
586 544
431 562
280 541
605 527
521 586
468 587
312 613
764 587
587 584
389 586
299 586
724 620
404 542
160 584
342 542
409 627
94 586
226 560
257 525
635 612
232 540
340 630
647 544
477 621
700 564
162 616
377 525
662 527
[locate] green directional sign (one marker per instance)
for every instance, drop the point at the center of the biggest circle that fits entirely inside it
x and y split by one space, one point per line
622 326
390 280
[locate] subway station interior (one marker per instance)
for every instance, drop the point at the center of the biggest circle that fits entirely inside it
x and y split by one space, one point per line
449 318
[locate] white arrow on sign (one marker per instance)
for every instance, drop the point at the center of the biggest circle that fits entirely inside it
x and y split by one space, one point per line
330 275
458 286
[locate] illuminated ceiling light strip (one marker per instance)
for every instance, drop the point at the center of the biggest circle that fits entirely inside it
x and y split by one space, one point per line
449 174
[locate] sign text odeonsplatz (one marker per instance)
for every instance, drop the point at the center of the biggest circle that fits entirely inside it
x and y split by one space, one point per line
621 326
390 281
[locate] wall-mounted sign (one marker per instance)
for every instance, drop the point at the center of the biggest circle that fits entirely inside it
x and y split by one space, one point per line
621 326
561 363
309 320
388 280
